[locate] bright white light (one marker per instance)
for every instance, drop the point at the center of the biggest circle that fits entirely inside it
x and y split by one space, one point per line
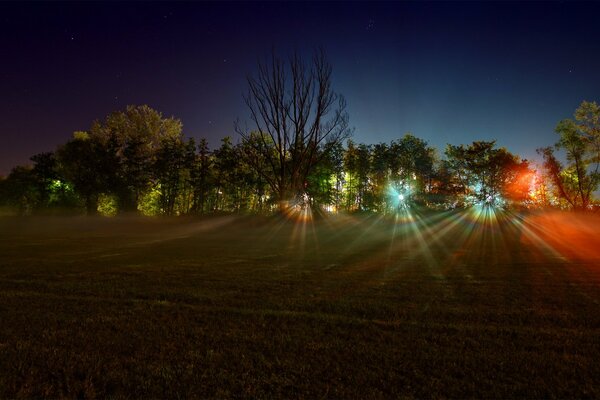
400 197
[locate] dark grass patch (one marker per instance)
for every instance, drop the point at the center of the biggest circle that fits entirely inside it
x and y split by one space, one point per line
252 307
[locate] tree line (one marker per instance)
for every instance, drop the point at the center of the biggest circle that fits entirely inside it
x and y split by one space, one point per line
296 153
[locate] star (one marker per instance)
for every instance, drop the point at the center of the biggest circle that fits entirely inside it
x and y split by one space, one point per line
371 24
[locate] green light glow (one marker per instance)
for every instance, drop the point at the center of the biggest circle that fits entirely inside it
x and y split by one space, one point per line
398 195
107 205
149 203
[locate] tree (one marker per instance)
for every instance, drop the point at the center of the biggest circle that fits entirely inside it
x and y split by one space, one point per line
363 166
90 165
446 183
380 173
517 180
52 188
295 112
30 189
20 189
172 163
484 171
411 164
357 165
45 173
588 126
350 164
323 183
580 139
135 135
335 159
253 183
201 177
455 167
226 161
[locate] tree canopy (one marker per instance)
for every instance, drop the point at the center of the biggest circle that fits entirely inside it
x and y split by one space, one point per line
137 160
579 138
296 117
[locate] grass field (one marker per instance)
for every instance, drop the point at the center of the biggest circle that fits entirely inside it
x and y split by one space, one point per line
454 304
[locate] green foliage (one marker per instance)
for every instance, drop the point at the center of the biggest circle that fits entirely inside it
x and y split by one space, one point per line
108 205
45 173
90 166
484 172
201 178
173 161
20 190
579 138
239 187
137 160
406 165
134 136
151 202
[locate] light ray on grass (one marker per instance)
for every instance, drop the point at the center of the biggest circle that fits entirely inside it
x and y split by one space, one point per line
301 219
365 233
424 248
528 229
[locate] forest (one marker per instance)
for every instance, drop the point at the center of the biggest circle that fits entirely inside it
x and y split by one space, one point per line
295 155
136 160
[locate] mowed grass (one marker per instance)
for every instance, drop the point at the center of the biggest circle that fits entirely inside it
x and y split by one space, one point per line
453 304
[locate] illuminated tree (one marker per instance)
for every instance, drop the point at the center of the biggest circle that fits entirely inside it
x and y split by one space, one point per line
580 140
380 174
172 165
357 168
135 134
294 108
350 163
520 181
365 198
587 118
38 188
411 164
90 165
335 160
483 171
324 182
483 164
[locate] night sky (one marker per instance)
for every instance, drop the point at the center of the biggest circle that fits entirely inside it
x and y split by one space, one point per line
448 73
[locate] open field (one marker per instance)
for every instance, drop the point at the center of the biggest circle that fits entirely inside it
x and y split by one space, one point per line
455 304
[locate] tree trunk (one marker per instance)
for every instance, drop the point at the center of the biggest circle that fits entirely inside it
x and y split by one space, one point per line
127 202
91 205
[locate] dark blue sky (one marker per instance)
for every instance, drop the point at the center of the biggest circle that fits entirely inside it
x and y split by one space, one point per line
447 72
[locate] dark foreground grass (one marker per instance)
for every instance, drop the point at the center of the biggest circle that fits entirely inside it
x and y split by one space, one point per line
458 304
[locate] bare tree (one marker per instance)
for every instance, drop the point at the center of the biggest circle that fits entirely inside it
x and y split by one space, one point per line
296 118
